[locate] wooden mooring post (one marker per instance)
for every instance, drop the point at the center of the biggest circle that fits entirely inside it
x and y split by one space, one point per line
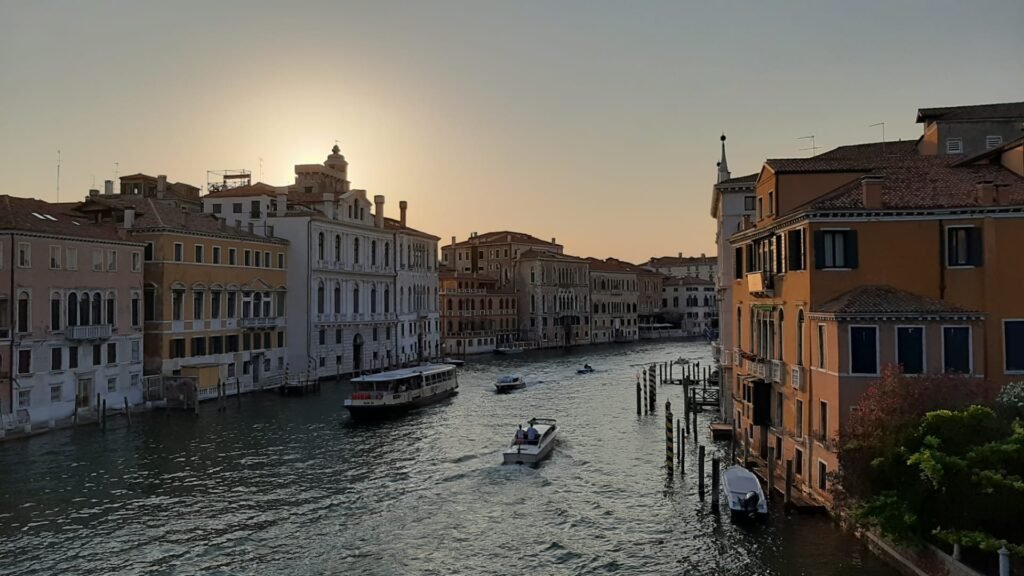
680 443
652 378
638 391
127 411
647 394
700 471
769 496
695 434
789 482
104 416
715 478
732 445
669 455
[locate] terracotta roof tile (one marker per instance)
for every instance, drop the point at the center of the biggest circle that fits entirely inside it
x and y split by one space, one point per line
504 237
1000 111
41 217
853 158
885 299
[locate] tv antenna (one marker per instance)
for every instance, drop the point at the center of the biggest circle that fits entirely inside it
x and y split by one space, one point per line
261 168
812 147
116 165
58 174
882 124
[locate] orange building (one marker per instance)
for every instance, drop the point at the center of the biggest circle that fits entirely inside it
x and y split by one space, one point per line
863 257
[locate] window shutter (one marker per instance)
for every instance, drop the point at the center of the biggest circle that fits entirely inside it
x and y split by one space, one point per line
974 244
950 247
851 249
739 263
819 249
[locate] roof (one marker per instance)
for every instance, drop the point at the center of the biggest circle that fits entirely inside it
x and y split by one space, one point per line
887 300
1001 111
539 254
504 237
396 225
852 158
156 214
405 373
41 217
669 261
748 179
257 189
613 265
687 281
993 153
925 181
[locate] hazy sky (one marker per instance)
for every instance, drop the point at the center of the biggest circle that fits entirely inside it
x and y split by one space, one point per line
591 121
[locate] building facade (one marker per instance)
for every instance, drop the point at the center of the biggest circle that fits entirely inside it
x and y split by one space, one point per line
969 130
702 266
614 297
70 314
493 253
863 257
690 303
649 285
476 315
553 290
416 278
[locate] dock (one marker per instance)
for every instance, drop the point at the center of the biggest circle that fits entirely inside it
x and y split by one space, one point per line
799 502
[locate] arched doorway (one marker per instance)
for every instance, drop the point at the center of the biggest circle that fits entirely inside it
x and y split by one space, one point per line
357 353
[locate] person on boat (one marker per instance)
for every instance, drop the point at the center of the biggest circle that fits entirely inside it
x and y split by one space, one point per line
587 367
520 435
532 435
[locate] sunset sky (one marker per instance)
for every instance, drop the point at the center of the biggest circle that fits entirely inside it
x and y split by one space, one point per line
591 121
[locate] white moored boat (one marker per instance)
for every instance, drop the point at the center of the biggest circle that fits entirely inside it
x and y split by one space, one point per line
509 383
396 391
530 453
743 493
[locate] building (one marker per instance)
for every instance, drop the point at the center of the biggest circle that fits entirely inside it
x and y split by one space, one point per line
698 266
732 200
649 285
969 130
358 272
70 313
476 314
214 300
553 290
493 253
690 303
614 296
863 257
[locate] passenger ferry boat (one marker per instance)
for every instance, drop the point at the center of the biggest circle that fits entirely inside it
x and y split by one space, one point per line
396 391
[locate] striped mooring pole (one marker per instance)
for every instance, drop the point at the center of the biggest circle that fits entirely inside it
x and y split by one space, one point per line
652 378
669 438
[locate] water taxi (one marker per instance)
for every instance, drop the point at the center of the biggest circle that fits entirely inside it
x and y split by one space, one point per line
509 383
526 452
396 391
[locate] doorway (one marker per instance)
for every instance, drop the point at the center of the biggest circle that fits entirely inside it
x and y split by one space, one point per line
84 392
357 353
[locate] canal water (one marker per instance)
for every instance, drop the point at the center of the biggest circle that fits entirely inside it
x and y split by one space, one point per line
292 486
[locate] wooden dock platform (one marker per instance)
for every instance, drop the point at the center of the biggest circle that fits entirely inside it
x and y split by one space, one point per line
720 431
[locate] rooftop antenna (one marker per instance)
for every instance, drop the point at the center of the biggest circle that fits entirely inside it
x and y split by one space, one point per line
812 147
882 124
58 174
116 165
261 168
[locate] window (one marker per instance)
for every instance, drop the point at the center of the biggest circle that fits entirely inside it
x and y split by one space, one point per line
217 208
993 141
179 251
24 255
55 312
136 351
135 310
738 263
72 357
199 253
232 256
199 346
55 257
135 380
56 358
136 261
215 254
799 418
24 361
177 303
795 251
954 146
800 338
1013 345
963 246
771 202
71 259
23 310
835 249
910 349
822 474
956 349
56 393
821 346
236 207
256 259
247 258
97 354
748 203
178 348
215 305
760 208
112 384
111 353
147 252
24 398
266 259
280 260
863 350
798 462
822 420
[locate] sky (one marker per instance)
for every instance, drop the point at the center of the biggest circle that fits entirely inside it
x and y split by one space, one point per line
590 121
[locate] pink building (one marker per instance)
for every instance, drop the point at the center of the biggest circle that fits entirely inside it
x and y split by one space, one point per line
70 314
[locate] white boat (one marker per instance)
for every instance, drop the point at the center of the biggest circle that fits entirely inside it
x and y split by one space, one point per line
508 350
527 453
743 493
396 391
587 369
453 361
509 383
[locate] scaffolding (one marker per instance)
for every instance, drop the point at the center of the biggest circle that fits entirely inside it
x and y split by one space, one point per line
218 180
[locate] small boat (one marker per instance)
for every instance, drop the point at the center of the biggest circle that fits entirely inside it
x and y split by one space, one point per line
509 383
713 378
508 350
587 369
743 493
453 361
527 453
397 391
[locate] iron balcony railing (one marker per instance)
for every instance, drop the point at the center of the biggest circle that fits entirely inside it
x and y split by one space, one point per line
93 332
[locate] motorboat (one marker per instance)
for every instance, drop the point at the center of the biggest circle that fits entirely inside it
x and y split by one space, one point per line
396 391
509 383
525 452
453 361
743 493
505 350
587 369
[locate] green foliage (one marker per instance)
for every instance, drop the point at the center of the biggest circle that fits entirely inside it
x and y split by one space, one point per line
1010 401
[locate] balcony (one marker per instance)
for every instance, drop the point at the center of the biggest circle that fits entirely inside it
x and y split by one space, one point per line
760 369
259 322
760 284
778 371
796 377
95 332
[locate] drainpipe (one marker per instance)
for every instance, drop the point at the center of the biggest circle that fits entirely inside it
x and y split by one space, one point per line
942 261
13 328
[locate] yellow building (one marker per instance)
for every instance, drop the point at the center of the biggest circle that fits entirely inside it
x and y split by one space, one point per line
214 295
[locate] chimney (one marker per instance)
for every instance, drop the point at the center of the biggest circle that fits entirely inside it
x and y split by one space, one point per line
871 188
453 240
94 192
238 225
745 224
108 187
986 192
1003 195
161 185
402 207
378 211
282 201
328 204
553 240
129 218
680 254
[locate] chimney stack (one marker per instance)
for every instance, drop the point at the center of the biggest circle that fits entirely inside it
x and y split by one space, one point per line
94 192
161 185
402 207
745 223
871 188
108 187
282 201
553 240
680 254
328 204
378 211
986 192
129 218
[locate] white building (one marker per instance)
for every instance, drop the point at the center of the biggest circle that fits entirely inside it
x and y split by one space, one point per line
732 199
689 303
363 289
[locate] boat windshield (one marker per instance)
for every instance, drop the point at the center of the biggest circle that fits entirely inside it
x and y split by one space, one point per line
508 379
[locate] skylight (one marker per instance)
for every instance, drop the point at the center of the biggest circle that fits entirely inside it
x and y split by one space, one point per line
48 217
38 215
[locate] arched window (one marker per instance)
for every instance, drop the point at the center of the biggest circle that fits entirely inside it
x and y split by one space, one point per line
490 304
373 300
111 308
320 298
337 297
72 309
337 247
800 338
373 252
355 299
257 303
387 254
355 250
24 307
739 326
320 246
387 300
450 304
83 309
97 308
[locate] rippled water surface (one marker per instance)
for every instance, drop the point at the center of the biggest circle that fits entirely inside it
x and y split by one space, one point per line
291 486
